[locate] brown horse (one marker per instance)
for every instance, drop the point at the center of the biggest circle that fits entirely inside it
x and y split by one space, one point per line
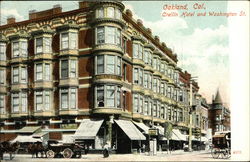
7 147
35 148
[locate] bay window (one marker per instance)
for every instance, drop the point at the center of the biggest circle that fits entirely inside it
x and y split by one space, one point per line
42 71
19 74
162 88
141 104
69 40
146 106
162 67
108 35
109 12
108 64
138 76
138 103
2 103
154 109
19 49
100 13
42 100
43 45
145 58
158 109
150 105
68 68
2 51
155 85
2 76
68 98
169 113
137 51
108 96
146 76
162 111
19 102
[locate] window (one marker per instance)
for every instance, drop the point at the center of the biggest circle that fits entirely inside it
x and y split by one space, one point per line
108 64
47 44
162 88
111 12
39 101
39 45
19 72
146 106
42 99
166 69
141 77
124 45
136 103
154 110
141 104
68 98
162 112
118 14
109 35
154 63
2 104
43 44
138 76
69 40
155 85
150 107
43 71
137 51
19 49
68 69
146 80
19 100
162 67
2 76
150 58
2 51
150 81
100 13
145 58
108 96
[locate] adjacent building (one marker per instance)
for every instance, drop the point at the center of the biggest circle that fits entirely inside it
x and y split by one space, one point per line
219 115
94 73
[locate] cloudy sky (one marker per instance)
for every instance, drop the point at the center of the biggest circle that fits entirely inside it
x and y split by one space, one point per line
201 43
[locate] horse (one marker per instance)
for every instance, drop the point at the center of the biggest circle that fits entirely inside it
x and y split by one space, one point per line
7 147
35 148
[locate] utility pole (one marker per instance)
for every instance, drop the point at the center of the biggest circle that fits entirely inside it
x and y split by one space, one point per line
190 117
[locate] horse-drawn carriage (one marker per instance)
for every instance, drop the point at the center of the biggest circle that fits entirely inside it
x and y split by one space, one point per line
221 145
67 150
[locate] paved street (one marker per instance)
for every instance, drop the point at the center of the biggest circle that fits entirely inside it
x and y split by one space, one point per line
162 156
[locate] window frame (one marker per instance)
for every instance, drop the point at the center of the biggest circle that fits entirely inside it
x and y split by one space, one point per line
2 51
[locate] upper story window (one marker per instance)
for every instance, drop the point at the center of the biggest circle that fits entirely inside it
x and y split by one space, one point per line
69 40
108 64
19 74
138 76
68 68
137 51
2 76
42 100
2 103
138 103
43 45
109 12
68 98
19 49
2 51
108 96
108 35
162 67
42 71
19 102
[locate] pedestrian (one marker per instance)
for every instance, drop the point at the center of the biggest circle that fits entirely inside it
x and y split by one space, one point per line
106 150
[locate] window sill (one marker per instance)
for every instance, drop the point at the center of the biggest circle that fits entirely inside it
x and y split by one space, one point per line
107 110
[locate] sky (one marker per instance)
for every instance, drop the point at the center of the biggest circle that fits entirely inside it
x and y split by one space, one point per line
201 43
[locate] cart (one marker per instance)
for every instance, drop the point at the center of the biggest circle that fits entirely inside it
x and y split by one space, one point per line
221 145
67 150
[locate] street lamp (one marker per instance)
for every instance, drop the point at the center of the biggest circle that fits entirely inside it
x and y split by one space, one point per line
191 114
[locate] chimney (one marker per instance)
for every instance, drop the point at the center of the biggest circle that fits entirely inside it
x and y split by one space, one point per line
57 9
33 14
11 20
84 4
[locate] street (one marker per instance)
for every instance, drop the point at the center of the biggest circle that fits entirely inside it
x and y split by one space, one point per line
161 156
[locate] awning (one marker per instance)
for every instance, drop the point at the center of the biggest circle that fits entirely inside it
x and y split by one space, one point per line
142 126
40 134
22 139
28 129
58 130
179 135
68 138
131 131
88 129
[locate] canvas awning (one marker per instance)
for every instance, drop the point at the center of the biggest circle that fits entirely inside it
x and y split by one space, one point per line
68 138
22 139
131 131
29 129
179 135
88 129
142 126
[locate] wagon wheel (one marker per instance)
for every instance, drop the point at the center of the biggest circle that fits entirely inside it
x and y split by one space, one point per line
226 154
50 154
67 153
215 153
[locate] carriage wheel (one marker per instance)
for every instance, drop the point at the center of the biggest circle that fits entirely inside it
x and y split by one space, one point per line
67 153
50 154
215 153
226 154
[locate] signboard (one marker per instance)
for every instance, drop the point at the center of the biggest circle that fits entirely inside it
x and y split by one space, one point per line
152 132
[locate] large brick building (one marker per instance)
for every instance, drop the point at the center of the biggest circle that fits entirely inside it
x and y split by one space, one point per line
60 69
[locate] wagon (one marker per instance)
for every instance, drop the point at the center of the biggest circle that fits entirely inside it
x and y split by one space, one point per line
67 150
221 145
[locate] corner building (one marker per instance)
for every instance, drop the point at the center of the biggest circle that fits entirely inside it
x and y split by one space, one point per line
94 73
